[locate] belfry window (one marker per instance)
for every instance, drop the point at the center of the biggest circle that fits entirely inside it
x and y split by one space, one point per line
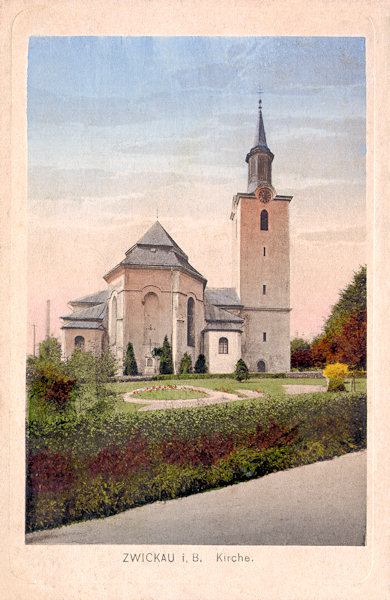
190 322
264 220
223 346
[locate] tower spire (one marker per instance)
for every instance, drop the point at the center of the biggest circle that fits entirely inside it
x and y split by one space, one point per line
259 158
260 139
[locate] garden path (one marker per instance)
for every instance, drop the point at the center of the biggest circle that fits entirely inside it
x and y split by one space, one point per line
303 389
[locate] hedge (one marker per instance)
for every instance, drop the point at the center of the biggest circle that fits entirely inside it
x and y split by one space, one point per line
96 466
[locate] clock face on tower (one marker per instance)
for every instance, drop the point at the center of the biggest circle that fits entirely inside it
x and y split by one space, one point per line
263 194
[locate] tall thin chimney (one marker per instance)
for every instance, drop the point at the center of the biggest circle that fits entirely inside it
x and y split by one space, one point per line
48 319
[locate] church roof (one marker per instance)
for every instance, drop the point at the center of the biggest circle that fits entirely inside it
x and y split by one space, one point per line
222 297
222 326
96 298
82 325
260 139
213 313
158 236
95 313
157 249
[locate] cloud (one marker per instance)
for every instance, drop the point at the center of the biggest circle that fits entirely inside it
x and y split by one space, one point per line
346 235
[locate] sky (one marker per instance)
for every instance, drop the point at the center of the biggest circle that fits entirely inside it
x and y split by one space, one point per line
123 128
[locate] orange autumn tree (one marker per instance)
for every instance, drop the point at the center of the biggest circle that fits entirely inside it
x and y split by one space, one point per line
344 338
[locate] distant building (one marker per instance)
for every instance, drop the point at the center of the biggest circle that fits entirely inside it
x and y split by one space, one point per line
154 291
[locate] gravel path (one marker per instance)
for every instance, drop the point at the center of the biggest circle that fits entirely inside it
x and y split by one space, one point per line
303 389
323 504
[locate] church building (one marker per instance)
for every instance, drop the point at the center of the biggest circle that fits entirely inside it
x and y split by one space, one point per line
155 292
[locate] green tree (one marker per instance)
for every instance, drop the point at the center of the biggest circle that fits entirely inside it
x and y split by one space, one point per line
352 299
299 344
91 373
186 364
49 355
131 367
241 372
166 362
200 365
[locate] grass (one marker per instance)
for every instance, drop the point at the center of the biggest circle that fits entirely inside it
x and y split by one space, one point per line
266 386
165 393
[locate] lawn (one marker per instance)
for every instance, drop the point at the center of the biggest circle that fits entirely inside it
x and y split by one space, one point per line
168 392
265 386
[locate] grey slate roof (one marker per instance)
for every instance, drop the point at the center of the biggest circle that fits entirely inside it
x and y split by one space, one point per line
222 297
82 325
157 249
96 298
260 139
222 326
95 313
158 236
213 313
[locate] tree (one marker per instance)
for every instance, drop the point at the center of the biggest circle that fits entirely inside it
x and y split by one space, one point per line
185 364
301 356
351 343
49 355
130 362
166 362
241 372
353 299
200 365
345 331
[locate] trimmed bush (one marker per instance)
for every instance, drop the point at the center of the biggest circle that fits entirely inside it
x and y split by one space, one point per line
241 372
131 367
166 362
186 364
200 365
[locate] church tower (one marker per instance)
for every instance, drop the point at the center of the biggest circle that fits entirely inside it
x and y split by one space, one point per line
261 262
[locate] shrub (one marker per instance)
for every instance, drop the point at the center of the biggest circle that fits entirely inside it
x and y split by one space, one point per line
200 365
241 372
131 367
186 364
166 362
50 393
50 472
336 374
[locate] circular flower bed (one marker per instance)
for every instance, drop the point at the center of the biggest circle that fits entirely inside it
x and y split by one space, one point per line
168 392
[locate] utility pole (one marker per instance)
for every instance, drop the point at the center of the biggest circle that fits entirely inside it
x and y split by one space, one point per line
48 319
34 340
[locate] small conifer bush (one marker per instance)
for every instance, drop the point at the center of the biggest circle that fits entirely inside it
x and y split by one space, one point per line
200 365
131 367
166 362
186 364
241 372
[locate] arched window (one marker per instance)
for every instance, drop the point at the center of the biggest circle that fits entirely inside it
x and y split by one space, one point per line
190 322
264 220
261 366
223 346
79 342
151 320
113 320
